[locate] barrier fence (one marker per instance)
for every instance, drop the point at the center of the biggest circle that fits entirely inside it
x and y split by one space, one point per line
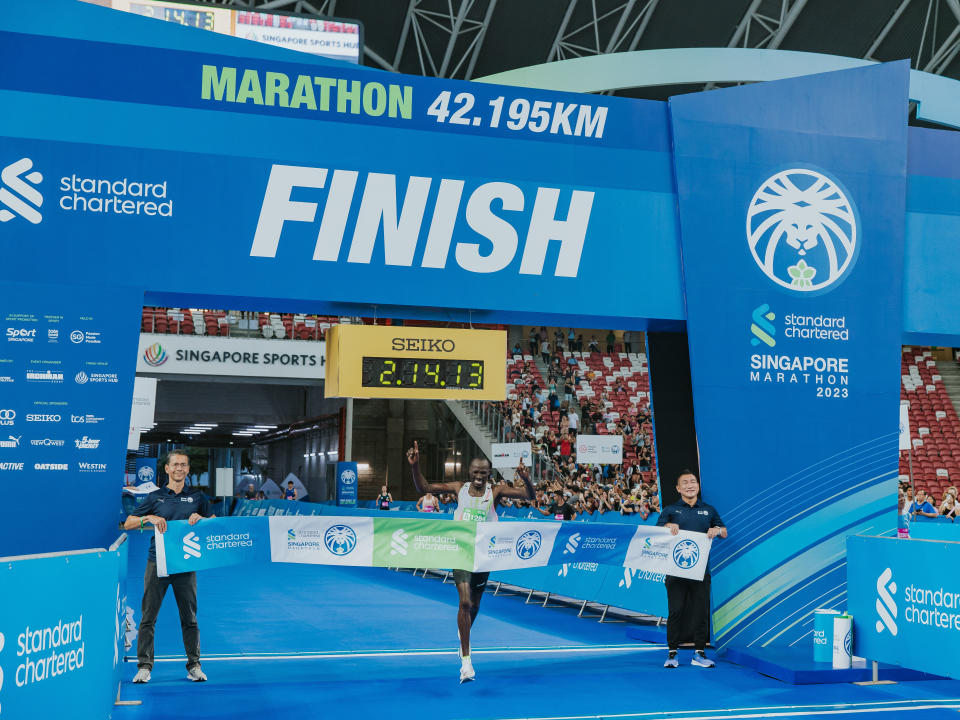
61 639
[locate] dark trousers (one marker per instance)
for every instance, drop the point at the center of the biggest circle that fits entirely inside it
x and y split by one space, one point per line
185 591
688 602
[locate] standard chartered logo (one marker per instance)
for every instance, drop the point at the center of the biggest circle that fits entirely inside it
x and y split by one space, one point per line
802 230
191 546
886 607
17 195
572 544
763 330
398 542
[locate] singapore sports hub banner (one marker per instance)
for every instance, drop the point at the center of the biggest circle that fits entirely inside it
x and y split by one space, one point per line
409 542
792 208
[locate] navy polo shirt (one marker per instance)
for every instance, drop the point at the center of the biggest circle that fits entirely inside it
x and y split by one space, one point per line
169 505
699 518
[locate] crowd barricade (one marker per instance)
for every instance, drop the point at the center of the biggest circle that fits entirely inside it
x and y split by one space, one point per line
938 528
634 590
61 632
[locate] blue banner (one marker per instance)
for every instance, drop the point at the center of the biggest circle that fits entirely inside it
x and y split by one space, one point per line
905 600
58 636
211 543
66 385
347 484
146 471
636 590
792 211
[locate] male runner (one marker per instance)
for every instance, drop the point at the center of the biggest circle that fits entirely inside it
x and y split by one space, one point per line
477 501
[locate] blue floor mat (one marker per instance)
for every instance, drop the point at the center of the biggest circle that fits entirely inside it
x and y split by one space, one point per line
330 642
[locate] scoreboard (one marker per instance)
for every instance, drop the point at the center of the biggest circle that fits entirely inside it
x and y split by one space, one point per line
375 361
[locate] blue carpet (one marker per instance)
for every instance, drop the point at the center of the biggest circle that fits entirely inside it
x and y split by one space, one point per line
355 636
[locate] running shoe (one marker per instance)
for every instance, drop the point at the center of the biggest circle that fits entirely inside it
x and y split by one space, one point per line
701 660
671 661
142 676
467 674
196 674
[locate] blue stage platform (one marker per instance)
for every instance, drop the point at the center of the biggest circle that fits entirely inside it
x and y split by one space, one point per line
794 665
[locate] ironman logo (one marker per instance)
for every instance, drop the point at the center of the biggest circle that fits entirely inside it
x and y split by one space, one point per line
155 355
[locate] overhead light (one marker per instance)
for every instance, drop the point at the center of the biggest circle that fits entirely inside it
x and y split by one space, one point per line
264 427
331 453
363 466
206 425
306 454
244 434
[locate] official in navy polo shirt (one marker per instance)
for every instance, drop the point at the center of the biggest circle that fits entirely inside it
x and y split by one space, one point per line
173 502
688 601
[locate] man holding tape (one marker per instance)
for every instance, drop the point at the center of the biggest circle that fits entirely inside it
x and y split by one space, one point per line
688 601
173 502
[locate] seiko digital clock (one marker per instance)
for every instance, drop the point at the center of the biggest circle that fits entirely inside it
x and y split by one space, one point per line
415 362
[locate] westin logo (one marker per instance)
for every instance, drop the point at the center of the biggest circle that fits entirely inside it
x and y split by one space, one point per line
17 195
802 230
763 330
886 607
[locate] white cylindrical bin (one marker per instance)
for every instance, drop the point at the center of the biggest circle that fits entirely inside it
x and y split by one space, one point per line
843 642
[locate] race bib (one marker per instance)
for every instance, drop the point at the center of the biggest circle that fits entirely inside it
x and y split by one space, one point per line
474 515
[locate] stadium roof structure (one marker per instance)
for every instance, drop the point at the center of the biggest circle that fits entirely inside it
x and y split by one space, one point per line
472 39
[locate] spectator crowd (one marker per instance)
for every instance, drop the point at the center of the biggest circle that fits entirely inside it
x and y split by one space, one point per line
581 393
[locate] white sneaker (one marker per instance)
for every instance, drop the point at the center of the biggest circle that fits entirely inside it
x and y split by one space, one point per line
701 660
142 676
467 673
196 674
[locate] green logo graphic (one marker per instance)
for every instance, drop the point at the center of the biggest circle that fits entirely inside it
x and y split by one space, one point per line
802 275
409 543
763 330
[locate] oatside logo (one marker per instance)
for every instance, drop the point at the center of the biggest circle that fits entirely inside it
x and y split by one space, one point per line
26 194
528 544
886 607
340 539
763 330
802 230
402 227
686 554
398 542
191 546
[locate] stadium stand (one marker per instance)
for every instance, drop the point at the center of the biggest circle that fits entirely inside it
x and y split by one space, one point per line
934 425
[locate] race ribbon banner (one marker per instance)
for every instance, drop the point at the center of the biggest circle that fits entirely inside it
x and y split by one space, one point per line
416 543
